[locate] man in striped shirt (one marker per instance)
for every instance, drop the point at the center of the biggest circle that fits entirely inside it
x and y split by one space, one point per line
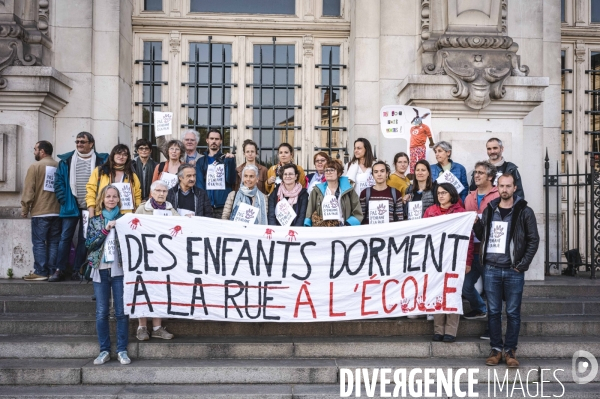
73 173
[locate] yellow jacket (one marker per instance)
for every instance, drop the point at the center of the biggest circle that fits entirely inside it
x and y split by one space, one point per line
93 187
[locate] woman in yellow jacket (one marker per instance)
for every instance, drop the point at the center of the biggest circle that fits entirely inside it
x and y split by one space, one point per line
285 154
116 169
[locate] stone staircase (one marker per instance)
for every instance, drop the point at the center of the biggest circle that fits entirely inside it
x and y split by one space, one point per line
48 343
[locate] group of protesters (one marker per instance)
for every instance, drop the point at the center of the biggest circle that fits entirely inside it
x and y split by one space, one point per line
91 189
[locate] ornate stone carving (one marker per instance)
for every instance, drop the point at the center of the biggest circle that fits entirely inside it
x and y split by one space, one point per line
503 16
425 20
43 16
175 41
13 48
580 51
308 44
478 65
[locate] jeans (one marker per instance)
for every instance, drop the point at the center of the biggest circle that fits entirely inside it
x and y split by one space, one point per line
102 292
45 235
469 291
508 282
66 237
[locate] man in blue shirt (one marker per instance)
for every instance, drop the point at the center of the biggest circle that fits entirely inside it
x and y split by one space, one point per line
216 173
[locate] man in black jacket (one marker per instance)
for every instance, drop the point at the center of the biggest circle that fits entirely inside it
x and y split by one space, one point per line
495 148
509 241
186 196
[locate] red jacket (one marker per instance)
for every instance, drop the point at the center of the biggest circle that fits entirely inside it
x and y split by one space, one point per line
471 200
435 210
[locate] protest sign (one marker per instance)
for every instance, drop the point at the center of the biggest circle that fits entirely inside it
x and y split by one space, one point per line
415 210
170 179
246 213
215 177
163 123
49 178
379 212
284 213
125 194
210 269
85 218
448 177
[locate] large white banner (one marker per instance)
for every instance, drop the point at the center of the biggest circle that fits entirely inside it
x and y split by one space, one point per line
208 269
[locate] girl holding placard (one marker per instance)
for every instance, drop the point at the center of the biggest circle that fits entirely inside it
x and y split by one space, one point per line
448 171
118 171
248 204
358 170
167 171
287 203
445 326
285 153
107 273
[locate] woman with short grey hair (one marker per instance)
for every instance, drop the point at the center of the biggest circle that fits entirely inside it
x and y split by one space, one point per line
247 194
443 151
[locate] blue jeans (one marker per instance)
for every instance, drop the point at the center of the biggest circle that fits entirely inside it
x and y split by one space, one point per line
66 237
469 291
102 292
45 235
507 281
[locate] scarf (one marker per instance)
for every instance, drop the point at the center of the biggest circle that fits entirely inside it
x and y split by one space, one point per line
292 196
119 167
72 166
245 195
156 205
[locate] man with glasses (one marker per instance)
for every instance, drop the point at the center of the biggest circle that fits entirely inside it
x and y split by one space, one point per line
477 201
190 140
72 175
144 166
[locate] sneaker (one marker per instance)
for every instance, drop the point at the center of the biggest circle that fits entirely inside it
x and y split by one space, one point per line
56 276
102 358
414 316
438 337
142 334
485 335
511 359
494 358
475 314
429 317
449 338
123 358
162 333
34 277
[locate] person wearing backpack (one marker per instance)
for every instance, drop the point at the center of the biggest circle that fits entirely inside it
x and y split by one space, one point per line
381 203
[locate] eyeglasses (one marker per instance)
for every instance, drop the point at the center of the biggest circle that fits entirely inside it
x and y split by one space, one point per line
81 141
478 172
330 170
320 160
442 193
143 149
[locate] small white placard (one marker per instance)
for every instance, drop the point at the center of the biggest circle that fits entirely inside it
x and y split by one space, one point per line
284 213
170 179
415 210
215 177
126 195
448 177
379 212
363 180
246 214
85 220
162 212
49 178
475 240
163 123
330 208
497 240
110 247
185 212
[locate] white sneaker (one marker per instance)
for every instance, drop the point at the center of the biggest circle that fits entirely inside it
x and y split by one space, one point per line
414 316
102 358
429 317
123 358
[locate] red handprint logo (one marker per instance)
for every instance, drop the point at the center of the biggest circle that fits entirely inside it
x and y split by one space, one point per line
269 232
404 305
135 223
175 230
291 235
438 302
421 304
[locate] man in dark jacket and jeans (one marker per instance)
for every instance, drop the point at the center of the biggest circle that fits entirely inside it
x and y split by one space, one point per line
509 240
186 196
72 175
215 173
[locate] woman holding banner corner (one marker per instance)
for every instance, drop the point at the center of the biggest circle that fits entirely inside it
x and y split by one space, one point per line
118 171
248 204
287 203
445 326
335 202
104 260
156 205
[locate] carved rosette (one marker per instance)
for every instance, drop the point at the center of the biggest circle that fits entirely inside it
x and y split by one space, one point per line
13 51
478 65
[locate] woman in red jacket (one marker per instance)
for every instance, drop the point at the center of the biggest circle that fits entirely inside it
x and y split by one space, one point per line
446 200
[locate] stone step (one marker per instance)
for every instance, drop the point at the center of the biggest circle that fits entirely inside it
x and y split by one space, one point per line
21 287
83 304
257 391
261 371
86 347
72 324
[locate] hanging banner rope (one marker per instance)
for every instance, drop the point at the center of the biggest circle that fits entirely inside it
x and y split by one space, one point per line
207 269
